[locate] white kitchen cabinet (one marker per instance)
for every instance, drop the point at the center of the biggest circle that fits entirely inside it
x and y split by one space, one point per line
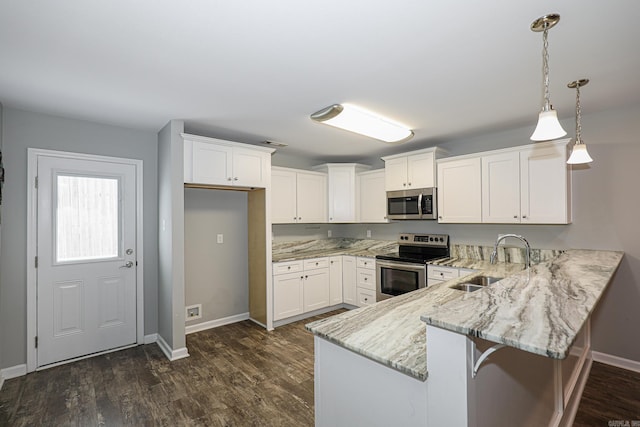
373 197
545 183
287 295
349 276
439 274
460 190
298 196
342 190
415 169
300 287
527 185
335 280
501 188
212 161
365 281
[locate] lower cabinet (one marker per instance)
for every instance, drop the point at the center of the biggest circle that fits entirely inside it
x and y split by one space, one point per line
335 280
349 275
365 281
287 295
438 274
303 290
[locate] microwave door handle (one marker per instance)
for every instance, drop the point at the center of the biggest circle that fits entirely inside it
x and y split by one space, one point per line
420 205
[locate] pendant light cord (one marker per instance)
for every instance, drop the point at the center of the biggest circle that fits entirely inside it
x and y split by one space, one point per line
545 68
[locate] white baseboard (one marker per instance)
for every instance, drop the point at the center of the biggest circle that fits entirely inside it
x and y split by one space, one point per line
616 361
12 372
150 339
215 323
171 354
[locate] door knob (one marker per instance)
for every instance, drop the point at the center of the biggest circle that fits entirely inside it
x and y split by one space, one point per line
129 264
129 251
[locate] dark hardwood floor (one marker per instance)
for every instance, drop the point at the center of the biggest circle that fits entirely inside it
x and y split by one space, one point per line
237 375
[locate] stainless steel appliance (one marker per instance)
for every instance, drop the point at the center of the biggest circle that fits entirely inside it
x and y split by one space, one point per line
406 270
412 204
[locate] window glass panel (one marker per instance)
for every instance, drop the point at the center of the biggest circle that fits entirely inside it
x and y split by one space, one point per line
87 223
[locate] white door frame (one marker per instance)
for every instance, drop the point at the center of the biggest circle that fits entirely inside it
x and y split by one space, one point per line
32 220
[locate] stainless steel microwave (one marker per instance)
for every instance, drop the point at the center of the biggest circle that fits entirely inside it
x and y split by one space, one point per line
412 204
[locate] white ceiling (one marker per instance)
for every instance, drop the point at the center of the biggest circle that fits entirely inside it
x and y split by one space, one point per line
252 70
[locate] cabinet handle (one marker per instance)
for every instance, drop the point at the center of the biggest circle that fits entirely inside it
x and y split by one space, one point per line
439 217
366 299
524 216
316 263
409 184
229 179
299 218
235 179
404 184
289 268
515 216
306 277
294 218
331 262
301 277
365 279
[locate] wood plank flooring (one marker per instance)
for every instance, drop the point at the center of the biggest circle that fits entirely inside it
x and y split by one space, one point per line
237 375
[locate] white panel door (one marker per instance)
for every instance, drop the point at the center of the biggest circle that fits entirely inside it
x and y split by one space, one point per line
459 191
311 196
86 272
395 171
501 188
283 196
342 198
287 295
249 168
212 164
373 197
316 289
421 171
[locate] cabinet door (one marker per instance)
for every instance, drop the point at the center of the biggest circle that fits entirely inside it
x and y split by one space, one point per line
287 295
545 185
212 164
373 197
395 174
349 280
501 188
249 168
316 289
335 280
342 198
283 196
459 191
311 195
421 171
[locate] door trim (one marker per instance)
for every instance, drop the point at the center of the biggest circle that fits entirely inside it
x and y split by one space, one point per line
32 218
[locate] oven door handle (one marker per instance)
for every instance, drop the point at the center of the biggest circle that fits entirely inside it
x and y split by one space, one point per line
401 266
420 205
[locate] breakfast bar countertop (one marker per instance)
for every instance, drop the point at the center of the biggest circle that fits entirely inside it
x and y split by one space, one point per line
539 310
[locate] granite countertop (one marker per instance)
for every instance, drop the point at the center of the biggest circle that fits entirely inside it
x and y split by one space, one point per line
549 303
293 251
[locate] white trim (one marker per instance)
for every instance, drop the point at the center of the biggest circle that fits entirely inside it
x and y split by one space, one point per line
215 323
32 218
171 354
12 372
86 356
616 361
150 339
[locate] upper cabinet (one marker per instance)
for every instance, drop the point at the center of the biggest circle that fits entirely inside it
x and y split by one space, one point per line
415 169
373 197
459 191
342 190
529 184
298 196
211 161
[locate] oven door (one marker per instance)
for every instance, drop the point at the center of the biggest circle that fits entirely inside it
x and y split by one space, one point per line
397 278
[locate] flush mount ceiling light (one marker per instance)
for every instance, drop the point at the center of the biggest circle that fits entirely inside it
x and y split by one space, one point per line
579 155
358 120
548 125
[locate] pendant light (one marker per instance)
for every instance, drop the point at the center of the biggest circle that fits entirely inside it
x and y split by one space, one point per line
548 125
579 155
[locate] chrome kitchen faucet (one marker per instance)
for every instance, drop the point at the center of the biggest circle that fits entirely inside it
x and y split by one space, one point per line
494 254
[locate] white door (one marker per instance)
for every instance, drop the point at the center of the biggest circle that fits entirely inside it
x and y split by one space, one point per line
86 260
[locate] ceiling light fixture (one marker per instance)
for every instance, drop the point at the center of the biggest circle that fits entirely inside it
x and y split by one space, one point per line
358 120
579 155
548 125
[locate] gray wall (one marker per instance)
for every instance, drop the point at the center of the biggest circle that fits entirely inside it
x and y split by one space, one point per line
171 235
605 206
24 130
216 275
2 325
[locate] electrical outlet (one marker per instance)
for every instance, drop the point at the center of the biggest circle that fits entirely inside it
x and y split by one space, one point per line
328 233
369 233
193 312
220 238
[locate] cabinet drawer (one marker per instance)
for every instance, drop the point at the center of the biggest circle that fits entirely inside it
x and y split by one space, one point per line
442 273
369 263
366 297
366 279
312 264
286 267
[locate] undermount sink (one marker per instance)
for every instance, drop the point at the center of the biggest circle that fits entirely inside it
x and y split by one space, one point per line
476 283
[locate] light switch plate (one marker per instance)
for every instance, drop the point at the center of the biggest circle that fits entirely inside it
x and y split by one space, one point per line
220 238
369 233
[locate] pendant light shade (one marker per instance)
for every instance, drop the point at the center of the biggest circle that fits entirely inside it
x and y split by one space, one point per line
548 125
579 155
354 119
